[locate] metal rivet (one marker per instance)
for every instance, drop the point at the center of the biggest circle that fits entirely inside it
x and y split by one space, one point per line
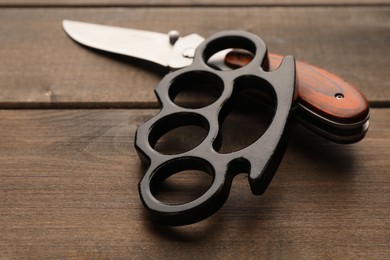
173 36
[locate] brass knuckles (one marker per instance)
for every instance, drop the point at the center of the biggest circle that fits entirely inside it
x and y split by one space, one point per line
260 159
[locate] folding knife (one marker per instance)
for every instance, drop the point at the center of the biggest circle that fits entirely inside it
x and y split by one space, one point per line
327 104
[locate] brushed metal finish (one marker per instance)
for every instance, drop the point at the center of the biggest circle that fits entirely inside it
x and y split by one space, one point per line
146 45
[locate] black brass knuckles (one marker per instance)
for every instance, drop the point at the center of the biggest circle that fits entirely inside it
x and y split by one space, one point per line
259 160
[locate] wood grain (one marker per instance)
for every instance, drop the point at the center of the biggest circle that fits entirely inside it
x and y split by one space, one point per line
42 67
69 190
205 3
68 178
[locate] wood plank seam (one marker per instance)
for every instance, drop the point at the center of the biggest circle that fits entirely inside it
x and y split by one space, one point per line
192 5
113 105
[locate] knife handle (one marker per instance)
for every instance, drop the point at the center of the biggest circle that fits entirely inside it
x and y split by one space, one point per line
319 91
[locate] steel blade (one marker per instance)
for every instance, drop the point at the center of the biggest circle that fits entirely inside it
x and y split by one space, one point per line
151 46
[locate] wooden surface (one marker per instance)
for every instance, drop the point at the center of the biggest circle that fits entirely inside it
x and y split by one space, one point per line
69 176
189 3
58 72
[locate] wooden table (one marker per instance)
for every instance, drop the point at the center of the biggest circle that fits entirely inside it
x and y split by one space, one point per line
69 171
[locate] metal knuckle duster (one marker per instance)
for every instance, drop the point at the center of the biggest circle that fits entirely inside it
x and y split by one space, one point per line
259 160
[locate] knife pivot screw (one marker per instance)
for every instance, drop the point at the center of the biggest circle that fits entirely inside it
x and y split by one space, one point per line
339 96
173 36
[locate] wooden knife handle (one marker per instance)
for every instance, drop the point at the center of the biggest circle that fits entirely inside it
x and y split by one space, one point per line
320 91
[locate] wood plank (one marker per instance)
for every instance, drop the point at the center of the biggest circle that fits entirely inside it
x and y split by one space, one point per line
207 3
41 66
69 190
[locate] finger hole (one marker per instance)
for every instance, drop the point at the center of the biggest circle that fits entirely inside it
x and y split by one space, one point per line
178 133
230 59
181 181
247 114
218 53
195 89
